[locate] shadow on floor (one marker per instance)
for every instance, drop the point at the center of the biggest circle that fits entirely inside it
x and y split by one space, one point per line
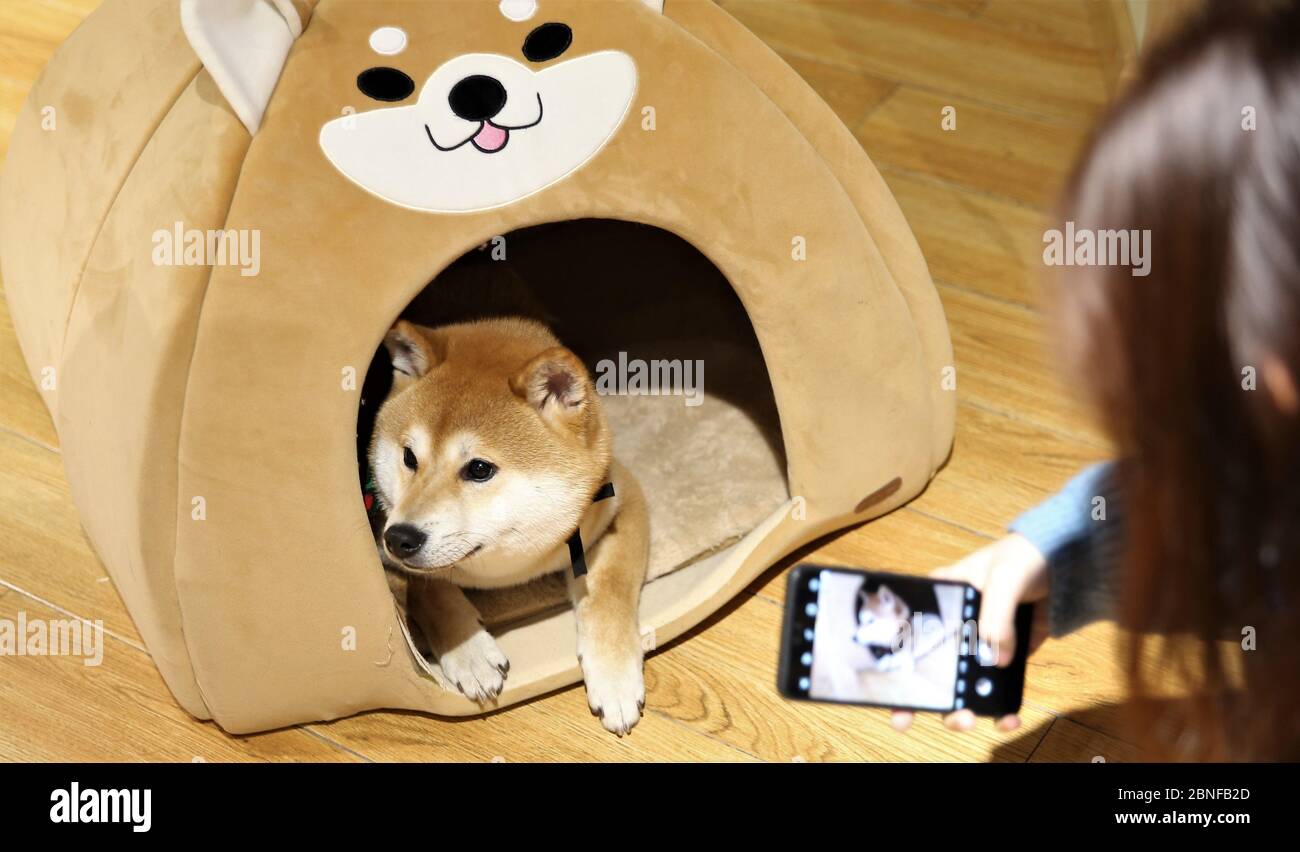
1094 734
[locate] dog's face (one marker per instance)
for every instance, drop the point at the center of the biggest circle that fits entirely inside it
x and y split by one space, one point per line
882 615
484 129
488 450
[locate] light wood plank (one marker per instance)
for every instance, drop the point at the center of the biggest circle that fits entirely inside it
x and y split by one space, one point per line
12 95
965 8
1070 742
990 150
966 57
23 411
1004 365
852 94
42 549
31 30
984 243
999 468
57 708
1060 21
1114 32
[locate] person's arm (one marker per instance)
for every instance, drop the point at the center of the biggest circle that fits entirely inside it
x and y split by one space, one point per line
1078 531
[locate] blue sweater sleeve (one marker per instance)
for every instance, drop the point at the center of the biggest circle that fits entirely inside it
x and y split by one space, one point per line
1079 532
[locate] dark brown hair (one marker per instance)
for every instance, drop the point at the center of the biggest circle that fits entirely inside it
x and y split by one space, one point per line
1203 151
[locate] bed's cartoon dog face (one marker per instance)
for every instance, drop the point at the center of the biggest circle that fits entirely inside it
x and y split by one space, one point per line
486 128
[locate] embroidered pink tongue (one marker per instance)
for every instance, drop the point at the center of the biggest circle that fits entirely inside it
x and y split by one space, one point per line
490 137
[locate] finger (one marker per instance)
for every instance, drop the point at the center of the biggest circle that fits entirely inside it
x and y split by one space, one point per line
962 720
1008 723
901 719
997 624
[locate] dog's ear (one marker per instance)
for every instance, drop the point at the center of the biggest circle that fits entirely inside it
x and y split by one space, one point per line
413 352
243 44
556 384
656 5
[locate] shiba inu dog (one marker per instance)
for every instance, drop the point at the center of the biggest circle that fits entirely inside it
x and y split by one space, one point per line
872 642
486 457
882 627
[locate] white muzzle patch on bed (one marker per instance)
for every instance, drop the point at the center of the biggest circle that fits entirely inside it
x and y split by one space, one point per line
486 131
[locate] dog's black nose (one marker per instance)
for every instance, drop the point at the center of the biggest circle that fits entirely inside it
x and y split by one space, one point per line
477 98
403 539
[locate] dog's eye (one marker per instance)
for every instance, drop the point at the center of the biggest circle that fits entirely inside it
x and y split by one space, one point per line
385 84
547 42
408 459
478 470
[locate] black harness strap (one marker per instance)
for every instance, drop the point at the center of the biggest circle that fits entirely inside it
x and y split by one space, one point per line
577 556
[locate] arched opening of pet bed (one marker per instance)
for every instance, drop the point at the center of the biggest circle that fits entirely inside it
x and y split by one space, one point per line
685 386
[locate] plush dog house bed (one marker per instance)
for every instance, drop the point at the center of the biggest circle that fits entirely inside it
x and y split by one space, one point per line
675 191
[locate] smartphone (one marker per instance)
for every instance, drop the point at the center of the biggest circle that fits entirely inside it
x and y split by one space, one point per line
890 640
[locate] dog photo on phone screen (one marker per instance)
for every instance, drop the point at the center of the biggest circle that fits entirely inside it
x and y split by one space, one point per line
886 640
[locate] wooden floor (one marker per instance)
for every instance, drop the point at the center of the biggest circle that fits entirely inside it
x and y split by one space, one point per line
1025 78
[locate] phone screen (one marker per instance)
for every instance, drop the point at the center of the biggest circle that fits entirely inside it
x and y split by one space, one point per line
881 639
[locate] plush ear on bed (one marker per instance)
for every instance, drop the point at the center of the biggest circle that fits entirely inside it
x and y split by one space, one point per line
243 44
412 351
555 383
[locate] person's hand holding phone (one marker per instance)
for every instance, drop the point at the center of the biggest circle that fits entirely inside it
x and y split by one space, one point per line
1008 572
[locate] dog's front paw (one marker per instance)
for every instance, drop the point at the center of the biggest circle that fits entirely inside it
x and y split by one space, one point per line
477 667
615 690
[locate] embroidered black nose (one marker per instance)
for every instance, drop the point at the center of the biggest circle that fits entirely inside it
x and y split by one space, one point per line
403 539
477 98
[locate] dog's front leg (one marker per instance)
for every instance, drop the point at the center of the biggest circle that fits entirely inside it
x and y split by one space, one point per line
467 653
606 600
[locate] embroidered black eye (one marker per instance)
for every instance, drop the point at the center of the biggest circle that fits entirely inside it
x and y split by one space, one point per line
547 42
385 84
478 470
408 459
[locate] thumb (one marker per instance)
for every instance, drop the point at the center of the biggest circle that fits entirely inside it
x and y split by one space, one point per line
997 624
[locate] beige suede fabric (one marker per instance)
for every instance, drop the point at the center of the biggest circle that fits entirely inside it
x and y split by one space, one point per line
206 418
